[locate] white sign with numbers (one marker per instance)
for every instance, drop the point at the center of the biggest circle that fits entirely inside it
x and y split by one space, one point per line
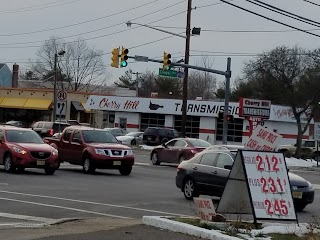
269 185
61 95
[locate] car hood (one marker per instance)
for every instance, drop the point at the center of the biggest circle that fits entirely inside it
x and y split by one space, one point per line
296 180
124 138
42 147
109 145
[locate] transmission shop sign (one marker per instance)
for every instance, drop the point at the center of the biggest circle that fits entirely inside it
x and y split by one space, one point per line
269 186
254 108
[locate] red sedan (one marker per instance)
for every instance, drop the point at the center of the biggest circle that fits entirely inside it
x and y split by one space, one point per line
177 150
23 148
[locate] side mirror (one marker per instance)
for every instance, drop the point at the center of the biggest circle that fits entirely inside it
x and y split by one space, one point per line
229 167
77 140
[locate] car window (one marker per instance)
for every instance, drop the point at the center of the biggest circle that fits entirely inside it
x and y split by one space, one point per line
223 159
76 135
47 125
151 131
169 132
98 136
309 144
180 143
40 125
175 133
208 159
66 135
62 127
20 136
199 143
171 143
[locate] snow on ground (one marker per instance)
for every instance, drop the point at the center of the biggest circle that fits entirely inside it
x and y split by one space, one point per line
294 162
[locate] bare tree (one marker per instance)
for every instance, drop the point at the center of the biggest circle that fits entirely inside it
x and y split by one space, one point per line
202 84
78 69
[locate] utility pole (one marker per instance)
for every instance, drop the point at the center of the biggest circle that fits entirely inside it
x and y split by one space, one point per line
55 88
137 83
186 73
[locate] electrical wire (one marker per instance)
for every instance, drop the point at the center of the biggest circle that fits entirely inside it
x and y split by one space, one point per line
270 19
34 8
81 23
311 3
284 13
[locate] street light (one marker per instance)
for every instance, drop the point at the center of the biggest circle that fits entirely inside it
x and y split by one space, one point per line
61 53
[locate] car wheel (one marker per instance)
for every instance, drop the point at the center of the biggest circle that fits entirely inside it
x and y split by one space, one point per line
49 171
189 189
300 207
155 158
8 167
133 142
182 158
87 165
125 171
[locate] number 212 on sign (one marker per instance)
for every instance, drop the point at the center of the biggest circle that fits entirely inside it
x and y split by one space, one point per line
267 164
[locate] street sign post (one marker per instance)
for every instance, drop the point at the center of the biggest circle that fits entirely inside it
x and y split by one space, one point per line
141 58
168 73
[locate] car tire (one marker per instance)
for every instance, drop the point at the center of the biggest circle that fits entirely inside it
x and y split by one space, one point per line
87 165
189 189
300 207
182 158
49 171
133 142
8 167
125 171
155 158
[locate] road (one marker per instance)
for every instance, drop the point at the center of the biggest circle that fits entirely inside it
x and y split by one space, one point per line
149 190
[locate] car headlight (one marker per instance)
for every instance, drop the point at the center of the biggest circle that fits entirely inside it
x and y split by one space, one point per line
54 151
130 152
100 151
19 150
310 187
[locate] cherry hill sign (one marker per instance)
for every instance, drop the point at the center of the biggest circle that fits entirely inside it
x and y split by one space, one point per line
254 108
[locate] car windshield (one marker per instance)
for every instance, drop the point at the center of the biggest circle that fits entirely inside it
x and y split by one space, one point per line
98 136
20 136
133 134
199 143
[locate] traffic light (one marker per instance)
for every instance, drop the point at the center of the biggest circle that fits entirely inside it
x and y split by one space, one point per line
124 57
230 118
166 61
115 58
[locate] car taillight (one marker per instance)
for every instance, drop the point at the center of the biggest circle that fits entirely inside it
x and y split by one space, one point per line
51 132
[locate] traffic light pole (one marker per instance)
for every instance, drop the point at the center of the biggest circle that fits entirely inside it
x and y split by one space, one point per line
227 74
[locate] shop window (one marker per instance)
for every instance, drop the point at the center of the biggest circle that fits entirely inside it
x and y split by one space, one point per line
192 125
235 130
151 120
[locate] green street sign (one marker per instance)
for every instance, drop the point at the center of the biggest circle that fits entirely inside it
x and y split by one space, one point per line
168 73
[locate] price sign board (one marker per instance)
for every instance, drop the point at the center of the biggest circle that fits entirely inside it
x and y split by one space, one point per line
269 186
205 208
265 188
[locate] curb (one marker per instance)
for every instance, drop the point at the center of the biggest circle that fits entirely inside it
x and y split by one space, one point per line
37 225
174 226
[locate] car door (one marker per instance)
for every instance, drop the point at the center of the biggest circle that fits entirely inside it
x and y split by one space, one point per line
76 147
64 153
223 160
2 145
204 174
165 153
177 150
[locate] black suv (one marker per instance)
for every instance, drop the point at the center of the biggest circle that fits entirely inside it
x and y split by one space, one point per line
47 129
158 135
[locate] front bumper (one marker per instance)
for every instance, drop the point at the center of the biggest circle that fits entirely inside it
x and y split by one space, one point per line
105 162
307 197
30 162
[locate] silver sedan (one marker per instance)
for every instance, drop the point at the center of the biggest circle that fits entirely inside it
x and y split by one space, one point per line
132 138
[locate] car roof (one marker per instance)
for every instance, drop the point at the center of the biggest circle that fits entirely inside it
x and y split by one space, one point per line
11 127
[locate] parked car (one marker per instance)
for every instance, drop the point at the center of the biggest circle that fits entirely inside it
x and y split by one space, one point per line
92 148
207 173
48 129
23 148
116 131
17 124
308 149
158 135
132 138
177 150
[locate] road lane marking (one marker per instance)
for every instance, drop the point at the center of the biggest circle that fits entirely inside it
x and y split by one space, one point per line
25 217
93 203
67 208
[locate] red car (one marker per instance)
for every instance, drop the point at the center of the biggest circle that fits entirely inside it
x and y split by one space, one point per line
92 148
177 150
23 148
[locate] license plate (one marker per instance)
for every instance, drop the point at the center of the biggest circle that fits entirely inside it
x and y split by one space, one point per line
41 163
117 163
297 195
149 138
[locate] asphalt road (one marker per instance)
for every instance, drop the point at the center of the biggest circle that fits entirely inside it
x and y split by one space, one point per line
149 190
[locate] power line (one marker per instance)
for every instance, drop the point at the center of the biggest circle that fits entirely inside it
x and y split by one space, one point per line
34 8
311 3
285 13
270 19
80 23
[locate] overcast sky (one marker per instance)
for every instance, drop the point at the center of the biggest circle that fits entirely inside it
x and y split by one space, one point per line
31 22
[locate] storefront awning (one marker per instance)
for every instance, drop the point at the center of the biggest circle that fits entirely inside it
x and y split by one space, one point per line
1 98
37 104
86 110
13 102
25 103
77 106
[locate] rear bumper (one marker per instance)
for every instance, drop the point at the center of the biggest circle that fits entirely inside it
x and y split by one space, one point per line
307 198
